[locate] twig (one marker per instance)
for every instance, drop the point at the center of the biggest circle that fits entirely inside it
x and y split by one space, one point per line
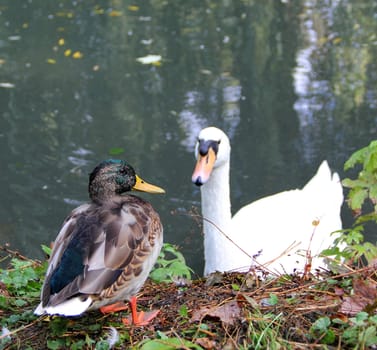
23 327
17 254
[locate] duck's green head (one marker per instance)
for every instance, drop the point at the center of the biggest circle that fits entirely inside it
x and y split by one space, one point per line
114 177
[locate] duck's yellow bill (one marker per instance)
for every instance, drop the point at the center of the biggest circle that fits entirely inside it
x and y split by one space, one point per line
143 186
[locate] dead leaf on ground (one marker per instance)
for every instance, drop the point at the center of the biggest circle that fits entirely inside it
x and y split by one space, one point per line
4 290
206 343
365 294
228 313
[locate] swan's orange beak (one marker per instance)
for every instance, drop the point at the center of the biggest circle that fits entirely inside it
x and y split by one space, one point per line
203 168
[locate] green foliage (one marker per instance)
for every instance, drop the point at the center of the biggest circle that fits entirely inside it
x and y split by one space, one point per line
21 278
69 343
362 195
364 187
58 326
163 342
265 332
183 311
171 266
362 331
22 281
47 250
359 332
321 330
273 299
264 328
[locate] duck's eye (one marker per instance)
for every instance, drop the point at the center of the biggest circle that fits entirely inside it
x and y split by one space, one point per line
122 171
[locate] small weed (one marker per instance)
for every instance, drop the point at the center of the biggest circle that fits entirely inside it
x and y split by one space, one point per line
264 332
171 266
361 197
359 332
320 330
163 342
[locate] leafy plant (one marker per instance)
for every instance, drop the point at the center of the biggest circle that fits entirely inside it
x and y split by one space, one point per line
364 187
264 328
19 291
321 330
171 266
163 342
22 284
360 331
264 332
361 197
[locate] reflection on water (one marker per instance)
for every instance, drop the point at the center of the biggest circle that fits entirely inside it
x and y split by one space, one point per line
226 96
290 83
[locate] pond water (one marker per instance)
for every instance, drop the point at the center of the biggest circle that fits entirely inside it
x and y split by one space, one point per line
291 82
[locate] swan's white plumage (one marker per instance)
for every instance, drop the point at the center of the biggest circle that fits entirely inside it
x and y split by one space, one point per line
268 227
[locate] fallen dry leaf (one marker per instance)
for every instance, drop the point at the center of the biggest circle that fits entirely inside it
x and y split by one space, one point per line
206 343
365 294
228 313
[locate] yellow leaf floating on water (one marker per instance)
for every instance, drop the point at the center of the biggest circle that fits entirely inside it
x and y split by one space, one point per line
133 8
150 59
25 25
51 61
115 13
77 55
61 42
64 14
67 52
99 10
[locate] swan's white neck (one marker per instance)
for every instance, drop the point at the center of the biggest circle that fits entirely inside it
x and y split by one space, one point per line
216 211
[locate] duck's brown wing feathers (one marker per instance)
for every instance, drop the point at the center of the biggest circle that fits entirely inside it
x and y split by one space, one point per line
101 249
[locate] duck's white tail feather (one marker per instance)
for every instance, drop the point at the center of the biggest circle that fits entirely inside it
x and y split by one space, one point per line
71 307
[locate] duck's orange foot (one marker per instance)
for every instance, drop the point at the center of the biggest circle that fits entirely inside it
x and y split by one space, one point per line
141 318
119 306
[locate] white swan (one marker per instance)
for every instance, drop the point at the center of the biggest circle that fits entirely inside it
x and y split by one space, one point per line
276 231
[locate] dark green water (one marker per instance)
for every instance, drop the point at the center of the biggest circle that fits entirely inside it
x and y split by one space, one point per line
291 82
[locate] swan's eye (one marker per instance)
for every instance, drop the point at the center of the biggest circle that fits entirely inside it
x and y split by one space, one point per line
218 142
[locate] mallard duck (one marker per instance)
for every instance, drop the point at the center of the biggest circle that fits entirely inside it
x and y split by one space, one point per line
105 250
276 231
